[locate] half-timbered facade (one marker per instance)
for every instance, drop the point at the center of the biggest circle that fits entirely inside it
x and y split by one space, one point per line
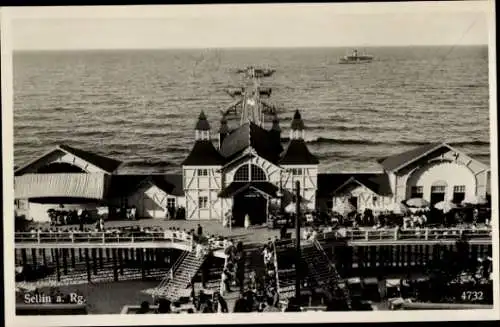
247 171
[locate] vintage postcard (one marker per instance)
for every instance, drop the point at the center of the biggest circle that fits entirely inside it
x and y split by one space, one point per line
249 163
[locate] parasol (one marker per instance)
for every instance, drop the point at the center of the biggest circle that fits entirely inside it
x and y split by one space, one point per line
445 206
475 200
417 203
398 208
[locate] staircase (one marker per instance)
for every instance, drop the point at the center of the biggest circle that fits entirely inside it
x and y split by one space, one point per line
320 269
179 277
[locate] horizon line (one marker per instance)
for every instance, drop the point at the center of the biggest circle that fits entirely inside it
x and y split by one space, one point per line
254 48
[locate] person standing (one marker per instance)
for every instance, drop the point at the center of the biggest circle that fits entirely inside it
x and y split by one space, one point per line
200 230
247 221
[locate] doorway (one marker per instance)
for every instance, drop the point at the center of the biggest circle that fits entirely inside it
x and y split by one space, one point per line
252 203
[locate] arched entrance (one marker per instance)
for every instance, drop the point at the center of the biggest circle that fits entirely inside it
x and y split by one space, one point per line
251 195
252 203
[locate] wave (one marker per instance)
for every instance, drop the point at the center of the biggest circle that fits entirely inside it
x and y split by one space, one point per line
326 140
474 143
149 163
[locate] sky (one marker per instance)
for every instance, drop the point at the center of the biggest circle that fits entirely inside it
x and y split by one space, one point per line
221 26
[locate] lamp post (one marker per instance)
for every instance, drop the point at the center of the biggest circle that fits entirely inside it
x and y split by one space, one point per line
297 235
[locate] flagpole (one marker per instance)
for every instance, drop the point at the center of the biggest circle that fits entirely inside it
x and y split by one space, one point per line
297 249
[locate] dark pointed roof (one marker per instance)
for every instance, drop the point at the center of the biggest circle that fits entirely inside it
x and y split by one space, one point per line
223 129
297 153
203 153
276 124
250 135
202 124
297 122
107 164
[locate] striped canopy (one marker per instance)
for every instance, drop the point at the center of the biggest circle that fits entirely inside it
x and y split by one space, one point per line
76 185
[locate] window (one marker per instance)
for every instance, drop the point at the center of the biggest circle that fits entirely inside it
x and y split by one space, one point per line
297 171
202 172
437 193
258 174
203 202
374 200
171 202
458 193
242 174
417 192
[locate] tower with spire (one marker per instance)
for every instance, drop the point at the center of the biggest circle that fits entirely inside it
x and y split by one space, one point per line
297 127
200 169
299 163
202 129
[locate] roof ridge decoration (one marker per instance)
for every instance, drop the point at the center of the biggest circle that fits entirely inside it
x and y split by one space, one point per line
202 124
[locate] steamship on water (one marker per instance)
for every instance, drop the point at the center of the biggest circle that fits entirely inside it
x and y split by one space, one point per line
356 58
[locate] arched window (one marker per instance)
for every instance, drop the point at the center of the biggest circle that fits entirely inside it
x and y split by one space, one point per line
258 174
255 173
242 174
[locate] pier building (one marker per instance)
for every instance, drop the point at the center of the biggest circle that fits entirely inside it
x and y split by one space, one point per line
246 167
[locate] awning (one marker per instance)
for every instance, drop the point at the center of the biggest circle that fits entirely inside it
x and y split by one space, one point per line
89 186
236 188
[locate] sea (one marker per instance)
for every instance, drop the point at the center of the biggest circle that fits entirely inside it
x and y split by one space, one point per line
141 106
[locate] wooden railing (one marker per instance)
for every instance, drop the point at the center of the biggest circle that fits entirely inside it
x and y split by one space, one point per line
276 269
407 234
102 237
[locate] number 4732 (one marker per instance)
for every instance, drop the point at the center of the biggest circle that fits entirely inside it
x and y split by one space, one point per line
472 296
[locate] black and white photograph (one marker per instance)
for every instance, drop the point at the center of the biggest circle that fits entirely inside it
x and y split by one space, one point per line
281 162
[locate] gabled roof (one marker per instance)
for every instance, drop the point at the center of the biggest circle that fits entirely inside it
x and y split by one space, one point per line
203 153
374 183
329 183
399 161
297 153
109 165
250 135
126 184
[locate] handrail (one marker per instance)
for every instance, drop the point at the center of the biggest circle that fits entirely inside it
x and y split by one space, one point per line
170 274
275 251
333 269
